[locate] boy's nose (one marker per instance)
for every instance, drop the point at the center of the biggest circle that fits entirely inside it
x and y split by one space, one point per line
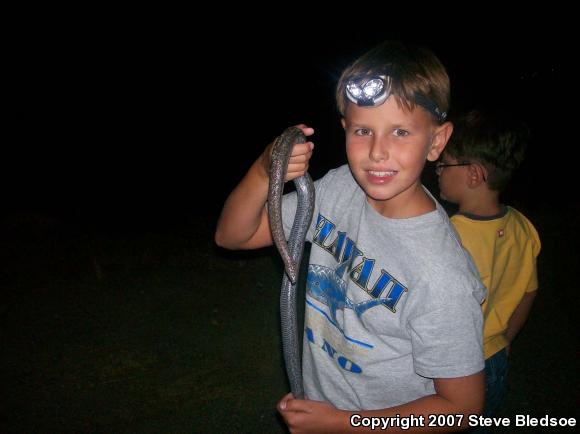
378 151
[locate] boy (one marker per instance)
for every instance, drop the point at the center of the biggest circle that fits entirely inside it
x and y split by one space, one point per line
393 318
475 167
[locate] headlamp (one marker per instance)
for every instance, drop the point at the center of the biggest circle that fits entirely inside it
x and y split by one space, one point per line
369 92
374 91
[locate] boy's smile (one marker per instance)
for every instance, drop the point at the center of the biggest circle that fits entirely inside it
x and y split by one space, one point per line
380 177
387 147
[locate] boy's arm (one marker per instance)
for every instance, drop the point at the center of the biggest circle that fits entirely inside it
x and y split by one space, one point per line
458 397
520 315
243 223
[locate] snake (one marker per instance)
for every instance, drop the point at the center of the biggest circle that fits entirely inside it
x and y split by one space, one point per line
290 250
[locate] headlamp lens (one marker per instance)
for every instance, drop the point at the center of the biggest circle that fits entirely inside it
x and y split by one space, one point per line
365 92
373 92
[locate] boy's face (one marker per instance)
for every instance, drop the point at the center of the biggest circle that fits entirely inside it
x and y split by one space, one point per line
452 179
387 147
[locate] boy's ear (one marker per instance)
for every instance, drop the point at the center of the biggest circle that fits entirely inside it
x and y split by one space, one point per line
343 123
476 175
439 141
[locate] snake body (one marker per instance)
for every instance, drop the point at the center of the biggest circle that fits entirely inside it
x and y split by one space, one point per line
291 250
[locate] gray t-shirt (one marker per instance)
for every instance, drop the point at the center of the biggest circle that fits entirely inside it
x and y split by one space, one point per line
390 303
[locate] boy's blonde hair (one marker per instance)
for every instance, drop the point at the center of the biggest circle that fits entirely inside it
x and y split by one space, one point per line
414 71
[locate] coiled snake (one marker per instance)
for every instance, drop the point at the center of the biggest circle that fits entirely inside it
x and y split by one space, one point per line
291 250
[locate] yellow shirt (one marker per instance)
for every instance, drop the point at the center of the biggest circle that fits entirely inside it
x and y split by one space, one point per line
504 249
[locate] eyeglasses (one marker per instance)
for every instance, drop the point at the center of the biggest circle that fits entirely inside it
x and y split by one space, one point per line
440 166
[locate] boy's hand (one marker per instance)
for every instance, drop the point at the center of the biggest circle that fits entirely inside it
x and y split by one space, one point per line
298 164
305 416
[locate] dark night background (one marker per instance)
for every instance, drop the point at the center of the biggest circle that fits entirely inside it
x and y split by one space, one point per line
162 122
121 143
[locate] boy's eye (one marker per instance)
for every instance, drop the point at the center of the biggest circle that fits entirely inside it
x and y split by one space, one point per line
401 133
363 132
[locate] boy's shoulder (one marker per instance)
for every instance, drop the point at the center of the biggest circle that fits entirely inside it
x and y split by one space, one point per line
338 183
510 219
437 250
339 174
521 218
526 227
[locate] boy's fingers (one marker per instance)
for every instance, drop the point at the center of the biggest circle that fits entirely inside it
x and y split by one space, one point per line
302 148
298 405
300 158
296 173
284 401
306 130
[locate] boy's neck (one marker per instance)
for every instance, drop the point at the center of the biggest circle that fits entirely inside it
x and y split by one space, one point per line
484 204
416 202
